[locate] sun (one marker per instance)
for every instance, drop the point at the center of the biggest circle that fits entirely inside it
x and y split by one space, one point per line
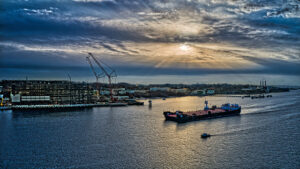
184 47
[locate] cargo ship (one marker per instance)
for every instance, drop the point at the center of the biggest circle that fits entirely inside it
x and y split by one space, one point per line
207 113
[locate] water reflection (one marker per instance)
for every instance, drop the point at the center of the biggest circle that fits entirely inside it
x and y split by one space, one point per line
139 136
150 106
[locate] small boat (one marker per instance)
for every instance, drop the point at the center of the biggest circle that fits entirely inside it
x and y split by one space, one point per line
205 135
164 98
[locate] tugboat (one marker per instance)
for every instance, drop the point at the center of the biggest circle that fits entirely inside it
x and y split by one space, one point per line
208 113
205 135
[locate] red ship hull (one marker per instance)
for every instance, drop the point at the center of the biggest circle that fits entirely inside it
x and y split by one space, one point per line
182 117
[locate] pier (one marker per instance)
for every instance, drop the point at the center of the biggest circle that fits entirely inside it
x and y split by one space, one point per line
67 107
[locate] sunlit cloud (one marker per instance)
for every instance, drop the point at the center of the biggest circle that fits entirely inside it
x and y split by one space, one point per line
188 34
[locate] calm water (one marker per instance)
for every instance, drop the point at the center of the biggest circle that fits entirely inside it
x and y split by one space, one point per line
265 135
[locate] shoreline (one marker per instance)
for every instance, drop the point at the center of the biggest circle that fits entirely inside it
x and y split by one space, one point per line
70 107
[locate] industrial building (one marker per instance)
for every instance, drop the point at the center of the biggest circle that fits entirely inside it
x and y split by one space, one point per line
47 92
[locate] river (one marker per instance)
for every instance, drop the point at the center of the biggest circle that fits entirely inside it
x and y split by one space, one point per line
265 135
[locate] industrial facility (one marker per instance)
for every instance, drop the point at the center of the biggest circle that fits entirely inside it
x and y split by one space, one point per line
47 92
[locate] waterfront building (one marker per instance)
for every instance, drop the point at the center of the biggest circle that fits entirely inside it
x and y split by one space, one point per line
47 92
182 90
198 92
104 92
156 89
210 91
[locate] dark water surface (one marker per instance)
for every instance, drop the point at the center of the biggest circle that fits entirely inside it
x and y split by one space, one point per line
265 135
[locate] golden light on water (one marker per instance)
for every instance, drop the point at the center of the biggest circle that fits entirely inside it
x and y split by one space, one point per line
184 47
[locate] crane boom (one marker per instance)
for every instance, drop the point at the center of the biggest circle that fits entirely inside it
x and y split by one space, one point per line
96 75
92 67
101 67
109 75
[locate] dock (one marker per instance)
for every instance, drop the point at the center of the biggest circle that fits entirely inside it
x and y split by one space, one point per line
67 107
5 108
50 107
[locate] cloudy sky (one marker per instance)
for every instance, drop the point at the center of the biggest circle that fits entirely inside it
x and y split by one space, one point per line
140 38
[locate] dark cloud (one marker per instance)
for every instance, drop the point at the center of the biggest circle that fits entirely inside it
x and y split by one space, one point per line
35 28
48 19
276 66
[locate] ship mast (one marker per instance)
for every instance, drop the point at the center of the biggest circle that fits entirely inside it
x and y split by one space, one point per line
206 104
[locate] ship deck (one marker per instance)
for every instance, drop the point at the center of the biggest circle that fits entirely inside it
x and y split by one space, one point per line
204 112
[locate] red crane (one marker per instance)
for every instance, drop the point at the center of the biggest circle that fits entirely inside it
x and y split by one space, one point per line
109 73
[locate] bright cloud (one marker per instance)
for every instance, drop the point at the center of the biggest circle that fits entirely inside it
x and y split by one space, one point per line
189 34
